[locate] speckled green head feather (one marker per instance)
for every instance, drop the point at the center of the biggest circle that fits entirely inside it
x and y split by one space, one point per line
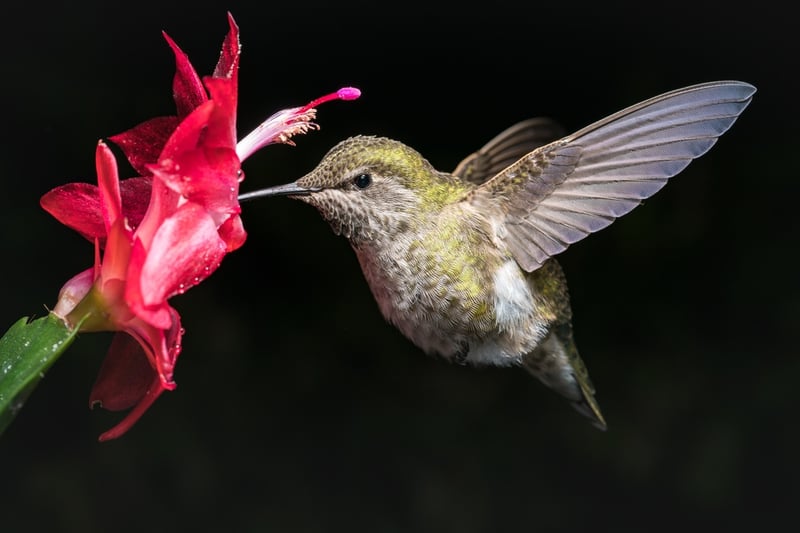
385 159
373 188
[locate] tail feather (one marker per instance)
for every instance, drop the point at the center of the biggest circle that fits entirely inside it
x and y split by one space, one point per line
556 363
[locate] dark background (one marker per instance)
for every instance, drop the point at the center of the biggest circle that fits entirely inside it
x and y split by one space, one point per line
298 409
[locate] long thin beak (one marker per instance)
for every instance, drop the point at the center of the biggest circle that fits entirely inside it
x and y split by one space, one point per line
290 189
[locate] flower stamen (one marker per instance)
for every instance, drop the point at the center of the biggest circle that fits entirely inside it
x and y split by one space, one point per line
345 93
285 124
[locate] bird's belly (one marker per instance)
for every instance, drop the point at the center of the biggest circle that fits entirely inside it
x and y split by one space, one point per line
468 311
440 301
518 324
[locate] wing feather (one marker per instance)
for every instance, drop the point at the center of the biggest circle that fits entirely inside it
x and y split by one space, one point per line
506 148
561 192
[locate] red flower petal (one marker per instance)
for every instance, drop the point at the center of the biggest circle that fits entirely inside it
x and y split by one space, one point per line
163 346
208 177
137 369
228 63
185 250
114 266
232 232
152 394
124 377
221 129
108 182
186 86
143 143
155 314
187 134
78 206
135 199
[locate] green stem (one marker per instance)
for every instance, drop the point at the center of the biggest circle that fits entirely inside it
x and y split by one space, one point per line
27 350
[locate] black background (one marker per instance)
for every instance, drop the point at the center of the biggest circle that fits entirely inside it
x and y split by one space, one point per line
298 409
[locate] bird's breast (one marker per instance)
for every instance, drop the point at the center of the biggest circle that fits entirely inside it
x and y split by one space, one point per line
445 285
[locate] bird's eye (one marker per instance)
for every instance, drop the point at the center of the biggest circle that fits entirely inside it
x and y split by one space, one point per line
362 181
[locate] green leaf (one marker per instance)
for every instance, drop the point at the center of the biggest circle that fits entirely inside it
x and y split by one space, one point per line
26 351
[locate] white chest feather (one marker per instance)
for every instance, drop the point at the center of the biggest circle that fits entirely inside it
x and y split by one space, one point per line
519 328
513 301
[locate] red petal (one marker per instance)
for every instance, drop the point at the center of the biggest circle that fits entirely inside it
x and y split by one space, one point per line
186 86
186 135
108 181
154 314
135 199
116 257
209 177
233 233
162 346
163 202
143 144
228 63
124 376
78 206
119 235
127 378
222 122
152 394
185 250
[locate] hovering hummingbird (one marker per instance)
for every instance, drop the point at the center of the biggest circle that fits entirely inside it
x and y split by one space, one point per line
463 262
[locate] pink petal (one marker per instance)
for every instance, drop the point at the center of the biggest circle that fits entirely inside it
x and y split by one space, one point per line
116 255
185 250
108 182
73 292
232 232
143 143
209 177
222 122
78 206
163 202
156 314
161 345
187 134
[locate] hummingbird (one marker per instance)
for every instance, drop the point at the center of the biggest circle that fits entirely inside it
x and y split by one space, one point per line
463 263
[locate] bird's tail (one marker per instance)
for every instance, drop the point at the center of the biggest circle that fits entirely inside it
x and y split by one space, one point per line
557 364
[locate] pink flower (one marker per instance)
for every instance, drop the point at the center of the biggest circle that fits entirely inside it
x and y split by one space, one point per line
165 231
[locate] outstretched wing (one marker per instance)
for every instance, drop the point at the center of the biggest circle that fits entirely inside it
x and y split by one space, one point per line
507 148
561 192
